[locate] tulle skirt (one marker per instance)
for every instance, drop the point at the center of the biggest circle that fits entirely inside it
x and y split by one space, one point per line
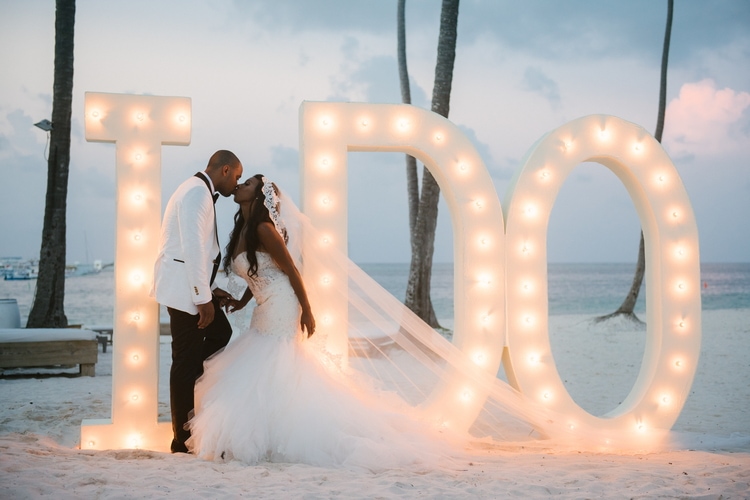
270 398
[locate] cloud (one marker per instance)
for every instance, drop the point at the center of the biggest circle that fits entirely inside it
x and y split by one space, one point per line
536 81
706 120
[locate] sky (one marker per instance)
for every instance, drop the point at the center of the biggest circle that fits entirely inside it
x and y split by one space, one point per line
522 69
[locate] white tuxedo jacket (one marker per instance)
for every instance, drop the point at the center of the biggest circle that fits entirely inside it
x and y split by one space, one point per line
187 248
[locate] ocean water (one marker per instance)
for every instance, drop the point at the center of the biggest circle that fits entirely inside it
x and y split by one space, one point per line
593 289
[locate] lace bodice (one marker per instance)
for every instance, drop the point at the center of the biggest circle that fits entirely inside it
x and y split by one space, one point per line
278 310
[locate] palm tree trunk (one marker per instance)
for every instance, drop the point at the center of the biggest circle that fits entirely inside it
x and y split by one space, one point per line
48 308
412 181
420 271
628 305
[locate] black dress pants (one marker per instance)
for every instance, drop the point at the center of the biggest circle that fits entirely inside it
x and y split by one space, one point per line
190 348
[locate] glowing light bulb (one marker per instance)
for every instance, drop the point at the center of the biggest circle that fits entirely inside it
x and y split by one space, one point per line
678 363
637 147
604 134
485 280
91 443
136 277
530 210
325 201
545 175
479 204
528 320
546 395
479 358
661 179
533 359
681 286
681 324
140 116
325 240
525 249
526 286
136 358
326 280
95 114
364 122
182 118
674 214
403 124
136 316
325 121
485 319
439 137
462 166
326 319
640 427
567 145
138 197
571 426
138 157
466 395
679 252
137 237
665 399
134 397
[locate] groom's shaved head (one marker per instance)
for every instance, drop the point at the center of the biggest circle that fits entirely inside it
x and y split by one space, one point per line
221 158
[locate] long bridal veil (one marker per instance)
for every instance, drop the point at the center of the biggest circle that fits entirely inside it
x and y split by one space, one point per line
393 353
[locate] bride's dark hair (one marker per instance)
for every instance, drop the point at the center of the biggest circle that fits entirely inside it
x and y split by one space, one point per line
258 214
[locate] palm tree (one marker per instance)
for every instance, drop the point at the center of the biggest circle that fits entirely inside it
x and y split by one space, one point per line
412 182
628 305
423 247
47 310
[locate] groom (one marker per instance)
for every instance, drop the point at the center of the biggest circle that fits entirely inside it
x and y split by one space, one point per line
184 273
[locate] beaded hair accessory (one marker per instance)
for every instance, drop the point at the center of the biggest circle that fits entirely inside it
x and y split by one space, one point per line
271 202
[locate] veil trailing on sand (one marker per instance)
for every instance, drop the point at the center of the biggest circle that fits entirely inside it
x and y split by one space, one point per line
393 351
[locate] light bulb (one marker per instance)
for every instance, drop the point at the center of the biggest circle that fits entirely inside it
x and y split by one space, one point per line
326 319
136 316
326 280
640 426
637 147
485 280
136 358
137 237
438 137
530 210
95 114
403 124
479 358
681 286
134 397
462 166
466 395
665 399
546 395
678 363
140 117
325 240
325 200
681 324
364 122
526 249
138 157
485 319
604 134
325 121
138 197
479 204
544 174
533 359
680 252
91 443
567 145
182 118
526 286
528 320
136 277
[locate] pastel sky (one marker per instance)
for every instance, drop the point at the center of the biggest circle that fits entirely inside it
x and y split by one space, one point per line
522 70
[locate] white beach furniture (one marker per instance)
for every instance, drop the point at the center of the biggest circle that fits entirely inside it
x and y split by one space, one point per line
45 347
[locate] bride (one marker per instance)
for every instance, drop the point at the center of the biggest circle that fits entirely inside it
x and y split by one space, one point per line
274 394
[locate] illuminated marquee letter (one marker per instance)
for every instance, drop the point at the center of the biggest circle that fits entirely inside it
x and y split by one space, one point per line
138 125
673 304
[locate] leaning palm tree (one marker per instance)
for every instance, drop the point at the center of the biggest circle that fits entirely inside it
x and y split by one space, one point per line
420 269
47 310
412 182
627 307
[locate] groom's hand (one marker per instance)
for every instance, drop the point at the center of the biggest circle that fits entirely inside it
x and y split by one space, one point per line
205 314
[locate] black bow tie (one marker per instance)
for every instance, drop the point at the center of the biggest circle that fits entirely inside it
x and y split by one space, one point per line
216 197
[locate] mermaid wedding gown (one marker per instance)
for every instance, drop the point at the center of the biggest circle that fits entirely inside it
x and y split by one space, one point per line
269 397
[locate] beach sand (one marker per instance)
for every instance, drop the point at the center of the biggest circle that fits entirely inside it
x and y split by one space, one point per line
40 423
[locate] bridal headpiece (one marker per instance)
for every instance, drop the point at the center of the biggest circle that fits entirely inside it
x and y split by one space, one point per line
271 202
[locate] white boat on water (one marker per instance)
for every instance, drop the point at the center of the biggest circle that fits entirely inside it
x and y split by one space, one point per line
15 269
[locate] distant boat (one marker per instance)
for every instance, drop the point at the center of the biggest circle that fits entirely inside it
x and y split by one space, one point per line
24 273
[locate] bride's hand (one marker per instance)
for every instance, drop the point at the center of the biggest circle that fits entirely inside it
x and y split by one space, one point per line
232 305
307 322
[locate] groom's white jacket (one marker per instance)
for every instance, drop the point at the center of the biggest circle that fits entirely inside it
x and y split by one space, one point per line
187 248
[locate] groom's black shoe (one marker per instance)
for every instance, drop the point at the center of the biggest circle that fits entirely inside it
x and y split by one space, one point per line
178 447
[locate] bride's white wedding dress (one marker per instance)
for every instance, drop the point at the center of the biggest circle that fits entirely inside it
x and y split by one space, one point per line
268 397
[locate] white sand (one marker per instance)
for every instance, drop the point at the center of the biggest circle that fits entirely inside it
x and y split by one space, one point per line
40 421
